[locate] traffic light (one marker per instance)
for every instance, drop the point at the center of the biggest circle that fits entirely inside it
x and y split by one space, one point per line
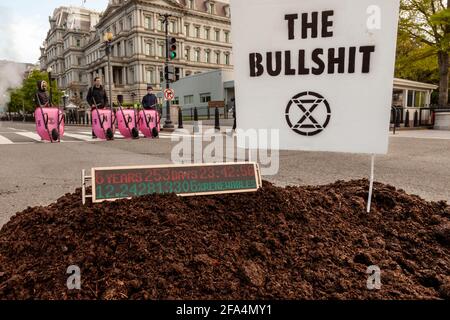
172 48
177 74
169 73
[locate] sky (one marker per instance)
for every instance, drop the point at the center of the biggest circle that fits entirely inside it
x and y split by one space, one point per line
24 25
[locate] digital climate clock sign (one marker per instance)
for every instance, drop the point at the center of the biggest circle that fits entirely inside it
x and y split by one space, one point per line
184 180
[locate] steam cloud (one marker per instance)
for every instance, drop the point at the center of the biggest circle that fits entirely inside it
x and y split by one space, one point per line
11 77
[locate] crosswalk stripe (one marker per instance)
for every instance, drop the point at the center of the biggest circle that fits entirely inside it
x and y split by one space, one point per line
31 135
74 136
79 136
4 140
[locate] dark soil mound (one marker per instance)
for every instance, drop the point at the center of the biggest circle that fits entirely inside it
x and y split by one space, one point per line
278 243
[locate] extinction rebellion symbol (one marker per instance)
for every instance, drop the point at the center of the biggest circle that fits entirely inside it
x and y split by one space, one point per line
308 113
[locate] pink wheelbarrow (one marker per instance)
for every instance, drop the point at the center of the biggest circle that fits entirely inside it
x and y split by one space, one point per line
127 121
49 123
149 123
103 123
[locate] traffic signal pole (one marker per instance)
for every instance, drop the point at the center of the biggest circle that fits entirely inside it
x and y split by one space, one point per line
168 123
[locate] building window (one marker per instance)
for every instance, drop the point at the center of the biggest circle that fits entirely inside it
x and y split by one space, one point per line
197 32
131 77
419 99
187 54
189 99
161 50
130 47
217 59
208 56
172 27
227 59
207 32
191 4
186 30
227 37
119 51
150 76
410 100
197 55
205 97
120 26
130 22
78 43
211 8
148 22
148 49
217 35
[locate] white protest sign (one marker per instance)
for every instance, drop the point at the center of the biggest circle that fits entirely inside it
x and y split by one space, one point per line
320 71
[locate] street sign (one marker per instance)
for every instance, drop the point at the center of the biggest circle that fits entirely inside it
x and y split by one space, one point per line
216 104
184 180
322 74
169 94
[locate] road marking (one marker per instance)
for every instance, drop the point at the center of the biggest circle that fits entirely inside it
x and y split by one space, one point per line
85 132
31 135
118 135
78 136
4 140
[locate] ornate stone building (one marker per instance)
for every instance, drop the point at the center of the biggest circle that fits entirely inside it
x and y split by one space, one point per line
202 29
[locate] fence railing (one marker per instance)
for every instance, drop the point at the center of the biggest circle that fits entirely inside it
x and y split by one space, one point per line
204 113
412 117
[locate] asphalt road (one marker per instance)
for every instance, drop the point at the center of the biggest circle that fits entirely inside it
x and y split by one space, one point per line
34 173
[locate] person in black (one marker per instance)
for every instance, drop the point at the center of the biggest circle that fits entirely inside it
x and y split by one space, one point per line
97 97
233 101
41 94
149 101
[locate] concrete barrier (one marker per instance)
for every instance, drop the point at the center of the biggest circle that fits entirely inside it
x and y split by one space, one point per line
442 121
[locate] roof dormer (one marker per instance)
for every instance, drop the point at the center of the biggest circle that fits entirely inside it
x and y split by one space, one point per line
190 4
210 6
227 10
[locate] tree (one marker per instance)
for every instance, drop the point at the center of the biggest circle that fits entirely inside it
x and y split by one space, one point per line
16 101
415 60
24 97
428 22
75 99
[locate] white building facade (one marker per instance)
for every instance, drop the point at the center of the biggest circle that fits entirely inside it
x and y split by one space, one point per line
201 27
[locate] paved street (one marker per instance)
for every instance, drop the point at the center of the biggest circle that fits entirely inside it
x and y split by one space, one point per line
36 173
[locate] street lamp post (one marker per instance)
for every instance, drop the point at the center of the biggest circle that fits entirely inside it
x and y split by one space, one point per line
64 97
168 123
108 40
23 109
49 71
133 96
